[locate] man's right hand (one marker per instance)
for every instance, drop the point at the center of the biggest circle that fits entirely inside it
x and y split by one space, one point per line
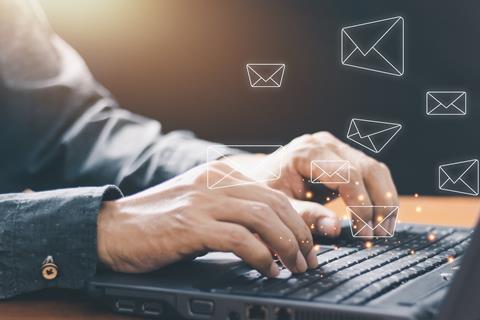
181 218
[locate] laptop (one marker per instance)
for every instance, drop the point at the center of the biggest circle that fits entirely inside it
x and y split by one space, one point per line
423 272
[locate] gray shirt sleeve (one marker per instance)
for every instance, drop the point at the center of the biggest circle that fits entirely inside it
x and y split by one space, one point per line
60 129
61 224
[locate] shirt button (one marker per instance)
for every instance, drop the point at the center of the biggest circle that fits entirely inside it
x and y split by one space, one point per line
49 269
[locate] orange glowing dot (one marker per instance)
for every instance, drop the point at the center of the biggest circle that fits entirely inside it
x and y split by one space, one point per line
361 197
368 244
328 199
389 194
418 209
416 195
317 248
431 237
450 259
357 183
380 218
309 194
312 226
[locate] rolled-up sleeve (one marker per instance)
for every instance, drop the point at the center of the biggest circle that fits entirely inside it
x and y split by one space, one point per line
61 224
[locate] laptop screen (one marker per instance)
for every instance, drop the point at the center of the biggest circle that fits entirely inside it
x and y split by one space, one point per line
463 297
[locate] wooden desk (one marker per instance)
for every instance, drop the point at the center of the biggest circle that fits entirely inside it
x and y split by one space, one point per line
67 305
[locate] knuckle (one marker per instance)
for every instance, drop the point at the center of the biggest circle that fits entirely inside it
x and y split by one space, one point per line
324 135
196 197
307 138
355 172
262 214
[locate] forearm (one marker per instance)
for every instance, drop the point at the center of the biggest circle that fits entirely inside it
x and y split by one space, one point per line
61 224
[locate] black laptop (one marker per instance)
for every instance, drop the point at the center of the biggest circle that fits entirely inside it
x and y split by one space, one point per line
423 272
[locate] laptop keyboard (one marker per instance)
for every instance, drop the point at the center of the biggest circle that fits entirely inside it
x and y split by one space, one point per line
351 273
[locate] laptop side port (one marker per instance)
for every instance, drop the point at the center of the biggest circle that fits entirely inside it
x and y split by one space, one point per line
152 309
283 313
256 312
125 306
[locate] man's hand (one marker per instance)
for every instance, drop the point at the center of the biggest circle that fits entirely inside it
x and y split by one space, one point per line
370 181
182 218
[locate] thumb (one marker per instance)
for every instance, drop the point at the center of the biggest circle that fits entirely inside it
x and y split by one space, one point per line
319 219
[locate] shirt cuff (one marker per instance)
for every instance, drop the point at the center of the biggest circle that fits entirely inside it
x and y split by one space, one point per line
59 223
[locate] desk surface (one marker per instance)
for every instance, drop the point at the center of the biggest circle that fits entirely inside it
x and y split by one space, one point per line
61 304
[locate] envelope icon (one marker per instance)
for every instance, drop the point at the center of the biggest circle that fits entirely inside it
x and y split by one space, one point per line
330 171
376 46
446 103
239 173
460 177
357 224
371 134
265 75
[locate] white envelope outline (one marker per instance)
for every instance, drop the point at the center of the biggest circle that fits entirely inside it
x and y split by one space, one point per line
347 54
258 80
217 151
375 224
435 106
474 165
340 173
366 141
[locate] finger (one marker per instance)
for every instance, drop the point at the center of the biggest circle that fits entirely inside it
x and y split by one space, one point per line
382 191
237 239
260 218
320 219
279 203
353 193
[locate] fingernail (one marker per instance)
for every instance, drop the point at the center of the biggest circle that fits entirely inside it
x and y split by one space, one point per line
312 259
274 270
301 264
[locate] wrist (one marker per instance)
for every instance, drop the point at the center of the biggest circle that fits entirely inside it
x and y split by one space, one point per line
105 216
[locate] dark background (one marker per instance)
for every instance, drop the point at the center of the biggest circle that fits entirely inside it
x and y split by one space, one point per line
183 62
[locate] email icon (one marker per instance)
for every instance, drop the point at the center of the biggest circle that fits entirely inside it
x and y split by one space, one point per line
330 171
460 177
383 214
265 75
240 173
375 46
446 103
371 134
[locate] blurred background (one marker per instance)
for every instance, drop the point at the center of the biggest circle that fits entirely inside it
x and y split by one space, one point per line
183 62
